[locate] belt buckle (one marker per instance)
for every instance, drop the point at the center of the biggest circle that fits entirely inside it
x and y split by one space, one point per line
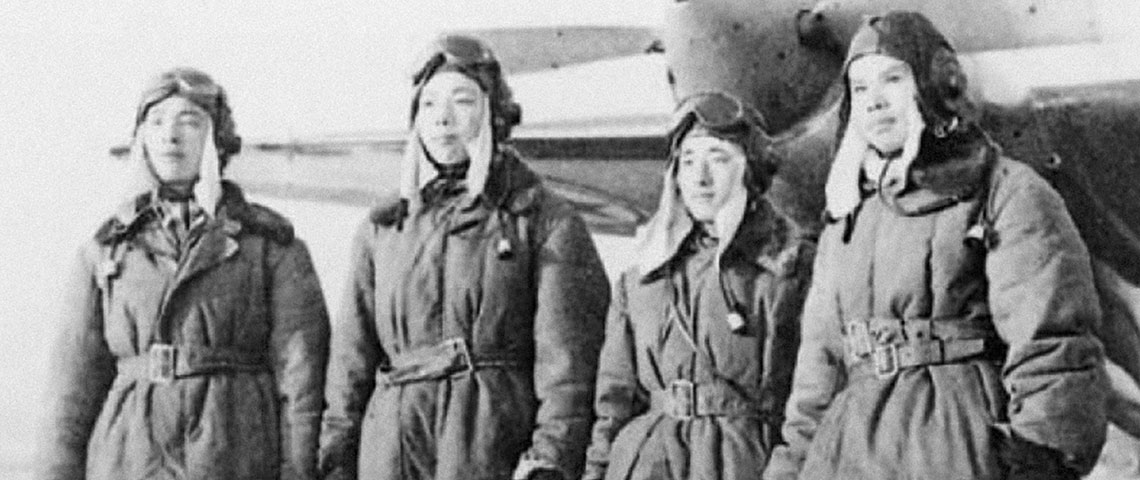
886 360
858 339
460 345
160 363
683 396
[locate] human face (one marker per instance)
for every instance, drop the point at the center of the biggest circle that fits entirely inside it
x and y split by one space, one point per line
708 171
449 115
174 134
883 100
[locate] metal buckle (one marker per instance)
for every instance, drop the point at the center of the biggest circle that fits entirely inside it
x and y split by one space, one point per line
460 345
683 396
886 360
858 339
160 363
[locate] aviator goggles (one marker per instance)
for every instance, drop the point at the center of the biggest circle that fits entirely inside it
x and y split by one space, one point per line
465 53
198 88
715 111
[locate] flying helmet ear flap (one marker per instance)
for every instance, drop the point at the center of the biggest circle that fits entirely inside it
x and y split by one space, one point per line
763 160
511 113
507 115
948 91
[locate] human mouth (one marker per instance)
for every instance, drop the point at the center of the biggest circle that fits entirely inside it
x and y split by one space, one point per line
446 139
703 196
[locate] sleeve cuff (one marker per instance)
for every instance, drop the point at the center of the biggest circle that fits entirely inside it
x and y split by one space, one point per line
528 464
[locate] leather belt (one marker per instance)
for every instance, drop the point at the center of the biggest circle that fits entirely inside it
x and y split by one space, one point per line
164 363
683 399
884 346
445 359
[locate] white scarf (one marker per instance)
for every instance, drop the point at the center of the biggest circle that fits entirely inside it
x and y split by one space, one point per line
416 171
660 238
208 186
855 154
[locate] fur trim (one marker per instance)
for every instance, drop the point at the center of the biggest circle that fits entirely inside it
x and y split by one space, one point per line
764 238
127 218
254 218
954 165
250 217
510 185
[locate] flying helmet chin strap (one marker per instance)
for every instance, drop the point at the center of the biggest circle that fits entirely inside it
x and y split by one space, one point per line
416 170
728 217
208 186
855 153
208 189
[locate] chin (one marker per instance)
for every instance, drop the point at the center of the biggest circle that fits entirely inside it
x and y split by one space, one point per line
446 155
888 145
173 173
701 214
177 177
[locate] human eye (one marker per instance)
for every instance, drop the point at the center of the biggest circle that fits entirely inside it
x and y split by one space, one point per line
858 88
193 121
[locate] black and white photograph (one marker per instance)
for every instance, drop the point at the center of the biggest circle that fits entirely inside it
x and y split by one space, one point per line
570 240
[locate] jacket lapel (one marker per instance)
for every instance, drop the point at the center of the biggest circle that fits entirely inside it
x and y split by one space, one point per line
217 244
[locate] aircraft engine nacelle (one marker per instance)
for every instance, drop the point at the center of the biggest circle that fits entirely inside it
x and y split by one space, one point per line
750 49
784 55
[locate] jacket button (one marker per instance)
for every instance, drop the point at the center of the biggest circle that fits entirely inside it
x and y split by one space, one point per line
503 248
735 321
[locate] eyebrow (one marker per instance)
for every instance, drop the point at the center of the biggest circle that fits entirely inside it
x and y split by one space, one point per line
182 112
465 89
896 68
714 149
454 88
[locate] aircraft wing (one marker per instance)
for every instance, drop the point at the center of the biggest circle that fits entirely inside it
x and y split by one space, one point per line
537 49
610 169
595 133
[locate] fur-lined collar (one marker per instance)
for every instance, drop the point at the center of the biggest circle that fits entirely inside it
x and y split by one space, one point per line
765 239
511 186
955 165
234 212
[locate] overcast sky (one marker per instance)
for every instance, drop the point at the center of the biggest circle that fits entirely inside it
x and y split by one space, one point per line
71 73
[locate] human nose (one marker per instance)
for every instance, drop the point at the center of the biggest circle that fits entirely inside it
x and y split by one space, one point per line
704 174
877 99
445 115
169 132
